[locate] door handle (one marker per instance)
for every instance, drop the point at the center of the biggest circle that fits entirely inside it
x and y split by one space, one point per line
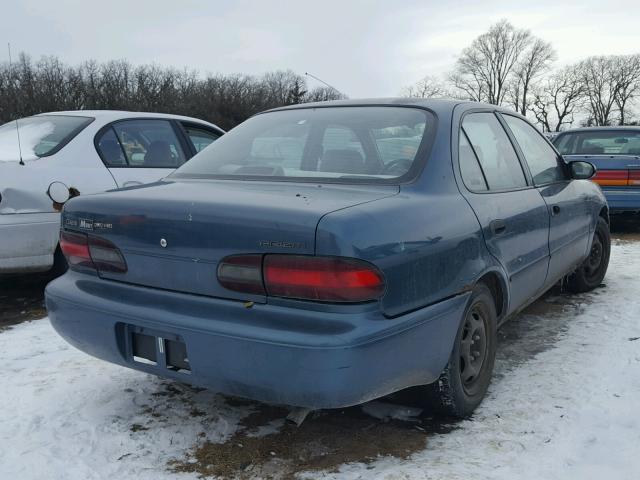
555 210
498 227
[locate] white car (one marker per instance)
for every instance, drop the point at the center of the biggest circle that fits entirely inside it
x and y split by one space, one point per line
86 152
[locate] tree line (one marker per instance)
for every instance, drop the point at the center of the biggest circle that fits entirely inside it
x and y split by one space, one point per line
512 67
30 87
504 66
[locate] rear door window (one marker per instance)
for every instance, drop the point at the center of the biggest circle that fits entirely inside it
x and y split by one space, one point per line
149 143
541 158
110 149
200 137
470 170
40 136
495 152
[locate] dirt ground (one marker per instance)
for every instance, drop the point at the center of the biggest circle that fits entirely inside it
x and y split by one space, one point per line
22 298
266 446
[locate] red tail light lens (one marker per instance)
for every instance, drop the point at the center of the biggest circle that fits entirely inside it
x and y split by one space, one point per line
242 273
634 177
75 247
96 253
325 279
321 279
611 177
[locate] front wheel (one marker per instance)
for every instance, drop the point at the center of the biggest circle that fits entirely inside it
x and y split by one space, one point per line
591 272
465 380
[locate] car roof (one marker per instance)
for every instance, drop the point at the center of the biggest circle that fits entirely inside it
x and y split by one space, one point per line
110 115
434 104
602 129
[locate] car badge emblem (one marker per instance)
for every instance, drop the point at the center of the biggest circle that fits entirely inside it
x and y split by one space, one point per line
163 243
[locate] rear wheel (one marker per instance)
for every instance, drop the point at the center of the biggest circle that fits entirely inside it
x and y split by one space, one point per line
591 272
464 381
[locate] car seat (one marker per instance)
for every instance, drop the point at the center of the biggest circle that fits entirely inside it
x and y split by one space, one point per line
342 161
159 155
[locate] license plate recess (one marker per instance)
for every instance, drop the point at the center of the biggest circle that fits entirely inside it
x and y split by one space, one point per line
155 348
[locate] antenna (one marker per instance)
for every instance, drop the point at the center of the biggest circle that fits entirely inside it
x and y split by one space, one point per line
17 127
322 81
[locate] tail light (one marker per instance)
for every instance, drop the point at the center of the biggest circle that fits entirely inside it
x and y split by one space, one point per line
322 279
242 273
75 247
96 253
326 279
611 178
634 177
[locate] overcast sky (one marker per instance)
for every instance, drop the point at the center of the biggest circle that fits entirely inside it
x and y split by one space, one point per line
364 48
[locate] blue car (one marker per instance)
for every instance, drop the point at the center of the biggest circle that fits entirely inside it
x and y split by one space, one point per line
324 255
615 152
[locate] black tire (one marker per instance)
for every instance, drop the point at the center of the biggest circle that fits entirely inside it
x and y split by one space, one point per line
591 272
60 265
459 390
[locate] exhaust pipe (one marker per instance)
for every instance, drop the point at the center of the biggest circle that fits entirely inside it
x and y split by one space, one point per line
297 415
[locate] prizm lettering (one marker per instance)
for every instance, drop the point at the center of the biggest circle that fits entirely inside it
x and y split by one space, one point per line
100 225
279 244
70 222
86 224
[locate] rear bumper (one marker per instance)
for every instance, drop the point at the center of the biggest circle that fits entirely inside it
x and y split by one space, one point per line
28 241
270 353
622 200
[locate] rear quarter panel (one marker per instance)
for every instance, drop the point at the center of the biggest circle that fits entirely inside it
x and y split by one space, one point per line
429 247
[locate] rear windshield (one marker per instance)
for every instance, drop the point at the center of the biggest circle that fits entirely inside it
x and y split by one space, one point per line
39 136
613 142
341 144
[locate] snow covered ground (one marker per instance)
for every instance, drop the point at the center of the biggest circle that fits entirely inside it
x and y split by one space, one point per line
563 405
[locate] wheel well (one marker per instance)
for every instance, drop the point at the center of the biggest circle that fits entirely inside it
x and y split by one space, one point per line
494 282
604 213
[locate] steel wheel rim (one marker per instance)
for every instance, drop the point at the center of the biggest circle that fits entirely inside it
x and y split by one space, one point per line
473 347
594 260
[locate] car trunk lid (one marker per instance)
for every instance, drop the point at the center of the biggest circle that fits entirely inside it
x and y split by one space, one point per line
173 234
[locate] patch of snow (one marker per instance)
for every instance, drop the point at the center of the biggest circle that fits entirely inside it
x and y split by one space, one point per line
571 412
567 411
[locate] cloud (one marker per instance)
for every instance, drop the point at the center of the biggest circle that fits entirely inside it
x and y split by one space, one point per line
365 48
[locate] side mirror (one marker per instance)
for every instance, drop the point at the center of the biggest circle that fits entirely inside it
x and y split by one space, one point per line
58 192
582 170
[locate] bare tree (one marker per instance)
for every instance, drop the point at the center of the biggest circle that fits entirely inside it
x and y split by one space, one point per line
483 70
558 99
627 75
600 87
427 87
534 62
322 94
49 84
467 87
